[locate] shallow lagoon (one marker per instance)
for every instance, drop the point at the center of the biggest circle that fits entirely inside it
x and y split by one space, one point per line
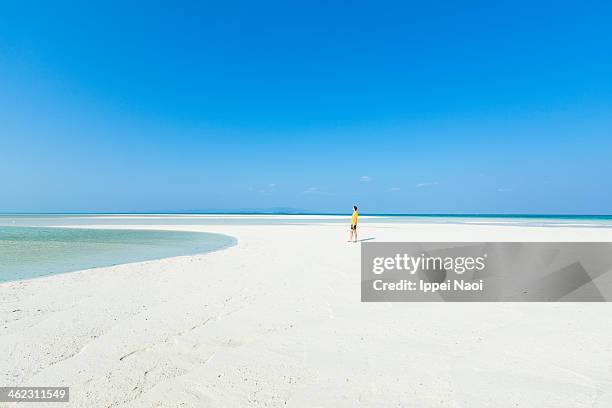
33 252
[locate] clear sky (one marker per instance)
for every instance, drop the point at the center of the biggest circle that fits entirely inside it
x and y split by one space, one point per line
413 107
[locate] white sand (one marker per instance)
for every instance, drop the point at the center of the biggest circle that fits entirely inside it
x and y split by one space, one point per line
277 321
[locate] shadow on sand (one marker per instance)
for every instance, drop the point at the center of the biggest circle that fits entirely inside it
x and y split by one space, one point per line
365 239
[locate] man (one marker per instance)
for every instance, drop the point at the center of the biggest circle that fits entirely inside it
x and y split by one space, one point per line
353 232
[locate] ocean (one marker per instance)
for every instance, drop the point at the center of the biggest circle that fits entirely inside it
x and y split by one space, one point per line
30 252
68 220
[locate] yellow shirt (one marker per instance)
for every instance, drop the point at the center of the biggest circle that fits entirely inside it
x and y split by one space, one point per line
354 219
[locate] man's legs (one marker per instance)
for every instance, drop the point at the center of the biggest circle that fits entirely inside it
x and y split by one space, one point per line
351 234
355 234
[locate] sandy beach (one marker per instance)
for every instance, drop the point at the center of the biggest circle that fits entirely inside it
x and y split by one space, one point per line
277 321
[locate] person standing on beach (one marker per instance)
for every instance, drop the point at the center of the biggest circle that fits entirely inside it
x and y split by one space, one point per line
353 232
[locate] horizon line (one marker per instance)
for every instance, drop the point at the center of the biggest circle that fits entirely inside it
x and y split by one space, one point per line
264 212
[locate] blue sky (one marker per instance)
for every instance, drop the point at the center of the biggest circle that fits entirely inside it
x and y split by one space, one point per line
423 107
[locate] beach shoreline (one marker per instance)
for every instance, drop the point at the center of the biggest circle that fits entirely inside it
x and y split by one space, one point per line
276 320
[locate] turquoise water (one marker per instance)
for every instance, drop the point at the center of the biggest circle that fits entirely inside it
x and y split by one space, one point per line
594 221
33 252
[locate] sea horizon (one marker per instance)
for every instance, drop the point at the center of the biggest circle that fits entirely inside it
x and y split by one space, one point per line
309 213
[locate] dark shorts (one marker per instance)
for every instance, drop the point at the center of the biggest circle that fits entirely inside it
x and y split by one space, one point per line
354 226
